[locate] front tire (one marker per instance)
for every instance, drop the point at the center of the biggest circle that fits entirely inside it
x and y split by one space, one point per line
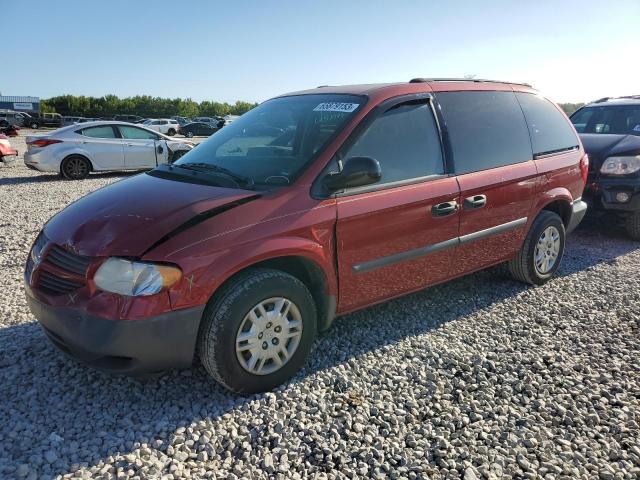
171 132
258 331
632 225
189 134
542 252
75 167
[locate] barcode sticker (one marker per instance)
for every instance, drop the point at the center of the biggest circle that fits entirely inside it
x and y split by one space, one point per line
336 107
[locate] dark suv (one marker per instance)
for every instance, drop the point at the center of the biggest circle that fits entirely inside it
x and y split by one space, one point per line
311 205
610 132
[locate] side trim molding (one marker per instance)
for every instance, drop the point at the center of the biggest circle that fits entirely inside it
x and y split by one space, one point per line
504 227
436 247
403 256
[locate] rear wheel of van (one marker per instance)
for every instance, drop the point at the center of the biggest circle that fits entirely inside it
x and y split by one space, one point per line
75 167
542 251
632 225
258 331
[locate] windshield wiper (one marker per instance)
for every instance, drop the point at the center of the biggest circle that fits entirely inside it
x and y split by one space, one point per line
201 166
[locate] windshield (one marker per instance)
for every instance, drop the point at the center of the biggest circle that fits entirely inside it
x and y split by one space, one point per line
274 142
623 119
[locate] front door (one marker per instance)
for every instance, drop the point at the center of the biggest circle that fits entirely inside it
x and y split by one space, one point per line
139 147
400 234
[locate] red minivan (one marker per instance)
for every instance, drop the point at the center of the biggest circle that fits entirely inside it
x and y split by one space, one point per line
312 205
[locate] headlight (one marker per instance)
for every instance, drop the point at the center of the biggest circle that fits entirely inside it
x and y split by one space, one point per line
620 165
134 279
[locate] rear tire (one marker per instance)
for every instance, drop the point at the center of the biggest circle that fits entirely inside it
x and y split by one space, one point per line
542 252
632 225
75 167
240 316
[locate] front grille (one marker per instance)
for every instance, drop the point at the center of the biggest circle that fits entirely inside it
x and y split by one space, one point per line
68 261
57 270
54 285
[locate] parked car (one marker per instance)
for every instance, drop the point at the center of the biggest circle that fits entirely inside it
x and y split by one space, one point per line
37 120
167 126
211 120
181 120
77 150
610 132
245 248
129 118
230 119
198 129
12 117
71 120
8 154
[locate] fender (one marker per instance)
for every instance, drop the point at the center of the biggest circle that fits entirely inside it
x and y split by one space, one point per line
546 197
203 276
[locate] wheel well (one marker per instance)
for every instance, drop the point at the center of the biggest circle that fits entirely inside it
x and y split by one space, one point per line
309 273
562 208
76 155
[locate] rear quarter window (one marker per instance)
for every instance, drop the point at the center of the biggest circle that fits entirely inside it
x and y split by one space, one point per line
549 129
486 129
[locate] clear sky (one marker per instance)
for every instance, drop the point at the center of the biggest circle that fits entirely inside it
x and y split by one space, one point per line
251 50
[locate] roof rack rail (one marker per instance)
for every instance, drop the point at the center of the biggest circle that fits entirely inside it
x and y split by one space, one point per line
478 80
604 99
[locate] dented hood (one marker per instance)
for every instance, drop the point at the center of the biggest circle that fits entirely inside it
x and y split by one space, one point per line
132 215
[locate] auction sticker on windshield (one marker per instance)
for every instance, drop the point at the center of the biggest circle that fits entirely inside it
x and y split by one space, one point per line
336 107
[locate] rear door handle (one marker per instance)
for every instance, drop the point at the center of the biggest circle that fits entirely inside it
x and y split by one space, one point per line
444 209
477 201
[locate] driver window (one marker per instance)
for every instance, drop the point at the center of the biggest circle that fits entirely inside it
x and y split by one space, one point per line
405 141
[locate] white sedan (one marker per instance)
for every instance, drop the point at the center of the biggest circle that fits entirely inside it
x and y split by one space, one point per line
77 150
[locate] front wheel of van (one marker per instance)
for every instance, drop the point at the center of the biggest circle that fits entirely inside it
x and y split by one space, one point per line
542 252
256 333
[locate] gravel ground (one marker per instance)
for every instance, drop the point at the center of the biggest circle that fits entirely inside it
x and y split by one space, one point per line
478 378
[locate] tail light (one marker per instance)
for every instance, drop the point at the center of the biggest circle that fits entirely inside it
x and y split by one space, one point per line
44 142
584 167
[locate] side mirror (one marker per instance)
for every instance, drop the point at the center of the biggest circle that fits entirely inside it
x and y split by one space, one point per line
357 172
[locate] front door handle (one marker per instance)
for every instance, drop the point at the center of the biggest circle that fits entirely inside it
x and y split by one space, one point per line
444 209
476 201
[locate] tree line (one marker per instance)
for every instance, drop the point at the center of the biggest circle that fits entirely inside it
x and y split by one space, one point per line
154 107
143 105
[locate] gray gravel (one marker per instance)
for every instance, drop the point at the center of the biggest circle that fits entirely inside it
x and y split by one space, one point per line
478 378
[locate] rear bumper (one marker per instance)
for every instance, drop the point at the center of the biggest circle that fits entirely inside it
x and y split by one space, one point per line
122 346
578 211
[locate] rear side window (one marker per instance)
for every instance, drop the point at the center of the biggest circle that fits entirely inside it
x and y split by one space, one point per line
550 132
405 141
99 132
486 129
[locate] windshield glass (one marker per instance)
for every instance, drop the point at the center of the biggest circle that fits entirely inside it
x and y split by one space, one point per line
623 119
274 142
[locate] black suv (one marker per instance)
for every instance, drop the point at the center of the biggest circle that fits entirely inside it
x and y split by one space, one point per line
610 132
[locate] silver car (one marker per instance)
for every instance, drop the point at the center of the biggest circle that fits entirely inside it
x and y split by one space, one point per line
77 150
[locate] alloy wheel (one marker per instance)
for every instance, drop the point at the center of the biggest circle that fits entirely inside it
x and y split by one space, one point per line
76 167
268 336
